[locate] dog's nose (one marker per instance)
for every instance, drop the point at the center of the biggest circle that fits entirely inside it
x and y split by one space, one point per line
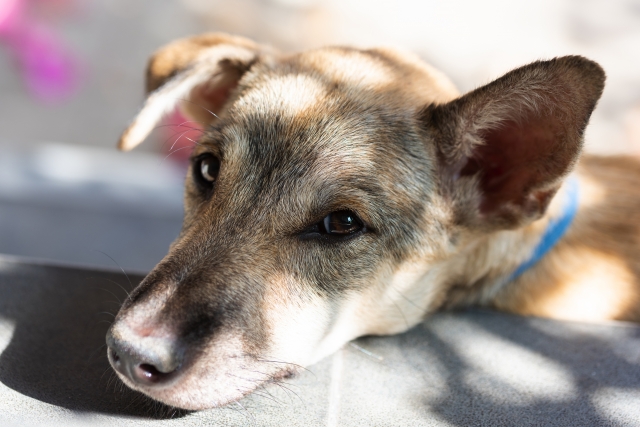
148 361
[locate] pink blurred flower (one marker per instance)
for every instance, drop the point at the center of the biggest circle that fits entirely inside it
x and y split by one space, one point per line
49 69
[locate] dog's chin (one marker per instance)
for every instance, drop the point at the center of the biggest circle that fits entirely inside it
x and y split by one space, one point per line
192 401
195 391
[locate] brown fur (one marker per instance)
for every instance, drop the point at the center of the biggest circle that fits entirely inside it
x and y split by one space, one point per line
595 272
453 193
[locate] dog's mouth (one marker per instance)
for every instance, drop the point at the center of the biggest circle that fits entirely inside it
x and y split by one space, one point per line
200 380
187 393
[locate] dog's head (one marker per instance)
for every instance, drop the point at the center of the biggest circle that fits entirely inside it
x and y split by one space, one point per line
324 199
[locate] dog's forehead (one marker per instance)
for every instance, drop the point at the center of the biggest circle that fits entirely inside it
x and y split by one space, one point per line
309 77
376 76
368 70
299 114
289 95
326 124
315 137
333 102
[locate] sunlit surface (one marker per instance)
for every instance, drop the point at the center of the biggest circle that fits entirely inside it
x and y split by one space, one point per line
617 404
7 326
474 368
508 367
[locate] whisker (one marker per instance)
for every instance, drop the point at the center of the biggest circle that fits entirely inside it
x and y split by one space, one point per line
286 383
247 411
175 151
253 381
285 363
288 391
180 124
109 322
105 371
263 388
406 322
237 411
136 399
177 139
110 380
121 269
192 140
91 355
258 372
109 280
114 295
257 393
175 133
198 105
407 299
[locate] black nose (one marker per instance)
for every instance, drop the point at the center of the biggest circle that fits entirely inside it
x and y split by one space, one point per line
147 361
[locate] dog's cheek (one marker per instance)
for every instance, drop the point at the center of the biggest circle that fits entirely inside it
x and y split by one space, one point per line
296 320
228 367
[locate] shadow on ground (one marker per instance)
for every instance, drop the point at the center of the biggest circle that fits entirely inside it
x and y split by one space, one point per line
57 353
575 365
464 369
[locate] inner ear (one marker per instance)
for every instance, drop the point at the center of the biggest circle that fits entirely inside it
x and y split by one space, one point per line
197 75
505 147
206 101
514 161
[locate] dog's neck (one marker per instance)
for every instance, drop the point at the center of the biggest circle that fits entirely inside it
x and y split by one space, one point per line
490 263
556 228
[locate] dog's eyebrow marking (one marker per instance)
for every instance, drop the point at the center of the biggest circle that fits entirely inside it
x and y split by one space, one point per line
352 67
291 94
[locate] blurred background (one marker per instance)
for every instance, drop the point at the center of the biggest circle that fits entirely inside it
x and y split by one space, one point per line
71 78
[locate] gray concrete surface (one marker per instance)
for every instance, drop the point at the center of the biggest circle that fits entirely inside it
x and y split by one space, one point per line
473 368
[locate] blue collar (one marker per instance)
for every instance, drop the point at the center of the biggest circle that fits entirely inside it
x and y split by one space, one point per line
555 230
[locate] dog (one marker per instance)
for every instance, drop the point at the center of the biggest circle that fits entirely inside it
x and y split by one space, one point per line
340 192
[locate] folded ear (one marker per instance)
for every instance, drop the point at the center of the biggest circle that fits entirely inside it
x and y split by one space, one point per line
198 74
505 147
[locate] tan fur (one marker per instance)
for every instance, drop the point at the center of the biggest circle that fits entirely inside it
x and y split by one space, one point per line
594 274
204 59
453 193
184 52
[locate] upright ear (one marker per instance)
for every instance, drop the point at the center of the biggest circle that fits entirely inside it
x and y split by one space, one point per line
505 147
198 74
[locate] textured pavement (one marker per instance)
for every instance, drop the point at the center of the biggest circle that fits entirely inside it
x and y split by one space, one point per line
475 368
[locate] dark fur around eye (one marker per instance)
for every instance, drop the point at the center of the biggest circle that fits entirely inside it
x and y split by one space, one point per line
205 170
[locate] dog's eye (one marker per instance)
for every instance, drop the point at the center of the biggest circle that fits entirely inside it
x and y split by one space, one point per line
341 223
206 168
